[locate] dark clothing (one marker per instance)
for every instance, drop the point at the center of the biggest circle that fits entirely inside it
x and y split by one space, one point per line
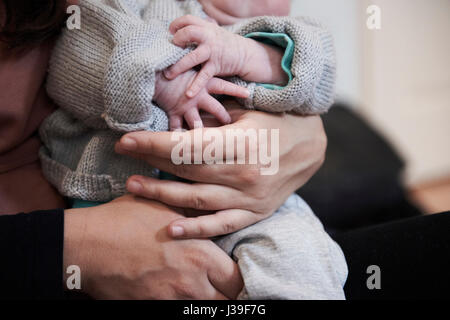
32 255
413 256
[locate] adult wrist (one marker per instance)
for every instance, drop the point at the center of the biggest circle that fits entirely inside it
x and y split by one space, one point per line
76 253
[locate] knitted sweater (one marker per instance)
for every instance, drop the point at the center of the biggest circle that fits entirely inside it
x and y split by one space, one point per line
103 78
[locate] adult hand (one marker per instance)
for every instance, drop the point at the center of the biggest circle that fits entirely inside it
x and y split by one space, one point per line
238 193
124 252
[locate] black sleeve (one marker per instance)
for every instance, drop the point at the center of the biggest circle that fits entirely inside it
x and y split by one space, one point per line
412 254
31 249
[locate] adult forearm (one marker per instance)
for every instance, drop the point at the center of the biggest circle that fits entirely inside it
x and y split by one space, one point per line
118 248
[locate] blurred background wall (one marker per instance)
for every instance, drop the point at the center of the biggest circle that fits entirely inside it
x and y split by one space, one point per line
342 18
398 77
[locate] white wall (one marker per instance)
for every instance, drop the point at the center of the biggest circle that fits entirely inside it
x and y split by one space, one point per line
397 77
342 19
407 83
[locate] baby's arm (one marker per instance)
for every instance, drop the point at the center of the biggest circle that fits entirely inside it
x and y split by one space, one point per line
309 59
223 53
309 55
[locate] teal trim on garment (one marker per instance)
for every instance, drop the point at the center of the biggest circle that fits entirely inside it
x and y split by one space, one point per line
166 176
280 40
79 204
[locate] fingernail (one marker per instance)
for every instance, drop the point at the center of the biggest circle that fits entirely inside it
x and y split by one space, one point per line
247 92
134 186
128 144
190 93
167 74
177 231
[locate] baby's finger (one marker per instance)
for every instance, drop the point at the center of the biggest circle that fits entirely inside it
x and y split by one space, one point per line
207 72
193 118
195 58
185 21
220 86
176 122
189 35
214 107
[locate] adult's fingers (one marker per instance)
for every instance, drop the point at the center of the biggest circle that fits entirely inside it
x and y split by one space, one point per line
197 196
195 58
157 144
176 152
213 174
207 226
215 294
223 273
161 144
164 144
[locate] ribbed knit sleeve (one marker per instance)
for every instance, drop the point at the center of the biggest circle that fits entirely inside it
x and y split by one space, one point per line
103 78
104 73
131 76
311 91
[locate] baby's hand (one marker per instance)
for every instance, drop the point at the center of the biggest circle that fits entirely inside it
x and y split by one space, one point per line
221 52
170 96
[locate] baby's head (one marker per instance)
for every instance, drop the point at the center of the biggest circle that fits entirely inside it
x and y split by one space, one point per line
230 11
263 7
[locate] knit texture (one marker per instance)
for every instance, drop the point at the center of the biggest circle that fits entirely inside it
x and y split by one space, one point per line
312 89
288 256
103 78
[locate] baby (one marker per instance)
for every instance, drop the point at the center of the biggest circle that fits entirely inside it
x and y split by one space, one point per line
132 66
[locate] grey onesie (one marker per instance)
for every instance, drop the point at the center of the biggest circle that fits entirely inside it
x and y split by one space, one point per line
103 78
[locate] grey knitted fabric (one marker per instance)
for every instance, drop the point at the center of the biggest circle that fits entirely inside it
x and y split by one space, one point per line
103 78
311 90
288 256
